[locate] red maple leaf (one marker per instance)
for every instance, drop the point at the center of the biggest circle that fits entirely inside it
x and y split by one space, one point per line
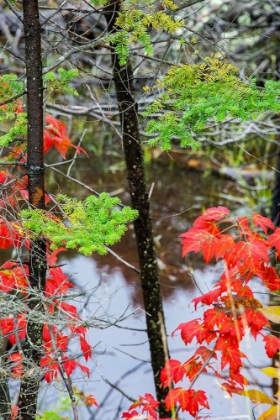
57 282
85 347
70 365
263 222
11 325
131 415
192 368
230 353
189 400
6 238
209 225
252 252
213 317
241 289
70 310
274 240
197 398
148 403
192 329
55 135
215 213
205 353
256 321
4 176
236 377
272 344
208 298
199 240
231 389
269 277
90 400
16 358
170 372
177 396
13 276
226 242
212 243
51 368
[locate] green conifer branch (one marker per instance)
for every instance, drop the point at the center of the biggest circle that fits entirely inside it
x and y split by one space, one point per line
194 94
87 226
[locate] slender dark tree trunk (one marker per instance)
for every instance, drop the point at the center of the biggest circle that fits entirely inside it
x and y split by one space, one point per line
123 78
32 349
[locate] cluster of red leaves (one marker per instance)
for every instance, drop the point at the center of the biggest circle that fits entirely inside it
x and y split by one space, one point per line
6 92
233 307
16 187
55 135
14 277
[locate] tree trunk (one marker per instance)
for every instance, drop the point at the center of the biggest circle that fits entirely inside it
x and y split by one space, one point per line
123 76
32 350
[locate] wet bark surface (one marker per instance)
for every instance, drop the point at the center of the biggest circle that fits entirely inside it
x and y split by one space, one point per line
123 78
35 170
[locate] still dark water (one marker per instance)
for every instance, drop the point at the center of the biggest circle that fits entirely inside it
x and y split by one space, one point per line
114 294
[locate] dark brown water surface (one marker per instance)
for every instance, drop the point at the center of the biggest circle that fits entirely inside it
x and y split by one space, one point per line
178 196
113 292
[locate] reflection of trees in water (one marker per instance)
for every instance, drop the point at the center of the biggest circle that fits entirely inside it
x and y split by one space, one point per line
177 198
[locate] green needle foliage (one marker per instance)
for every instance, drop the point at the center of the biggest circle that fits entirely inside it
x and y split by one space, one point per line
60 83
87 226
209 90
134 23
10 87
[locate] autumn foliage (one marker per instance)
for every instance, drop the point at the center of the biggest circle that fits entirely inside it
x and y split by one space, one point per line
14 276
245 246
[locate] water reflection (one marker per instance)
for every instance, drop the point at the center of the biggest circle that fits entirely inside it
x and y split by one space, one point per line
113 292
177 198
